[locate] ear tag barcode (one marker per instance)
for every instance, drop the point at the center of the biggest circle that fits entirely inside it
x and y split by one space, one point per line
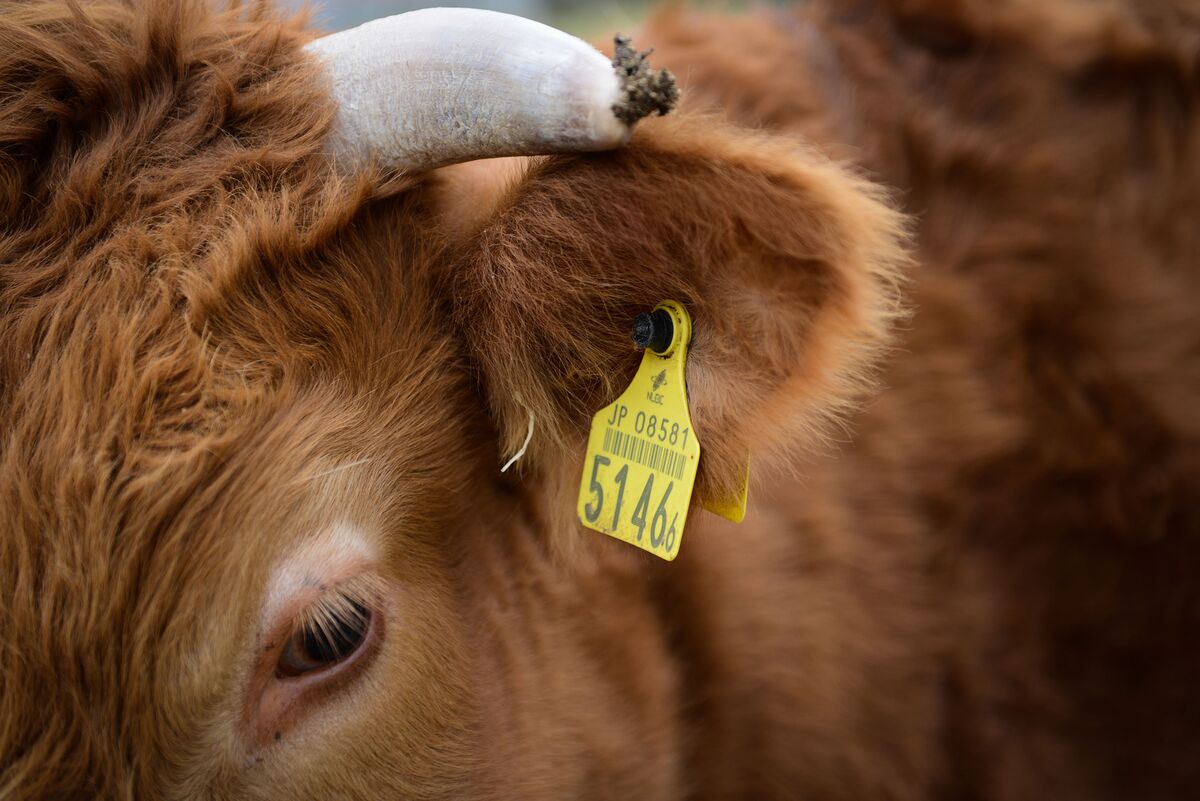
642 453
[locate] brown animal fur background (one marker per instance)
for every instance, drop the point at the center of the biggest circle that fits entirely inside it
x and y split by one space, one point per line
970 573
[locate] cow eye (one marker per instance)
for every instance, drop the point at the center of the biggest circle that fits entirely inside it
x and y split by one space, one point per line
325 641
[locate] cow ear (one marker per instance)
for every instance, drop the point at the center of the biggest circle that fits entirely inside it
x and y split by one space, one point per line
788 264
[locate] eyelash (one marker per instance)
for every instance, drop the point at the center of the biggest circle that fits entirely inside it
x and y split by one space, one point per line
338 604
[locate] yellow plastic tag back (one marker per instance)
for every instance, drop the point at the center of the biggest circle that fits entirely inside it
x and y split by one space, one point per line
642 453
732 509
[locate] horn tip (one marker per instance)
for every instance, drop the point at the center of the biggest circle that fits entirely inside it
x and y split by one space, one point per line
644 91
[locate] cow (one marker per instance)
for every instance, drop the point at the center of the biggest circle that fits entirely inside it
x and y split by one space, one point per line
275 309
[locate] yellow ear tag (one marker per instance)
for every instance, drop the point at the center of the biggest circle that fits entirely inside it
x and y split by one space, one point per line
642 453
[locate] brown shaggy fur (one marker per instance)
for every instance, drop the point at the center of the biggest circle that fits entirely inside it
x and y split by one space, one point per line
978 582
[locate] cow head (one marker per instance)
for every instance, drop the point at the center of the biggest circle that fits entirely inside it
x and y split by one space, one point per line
256 385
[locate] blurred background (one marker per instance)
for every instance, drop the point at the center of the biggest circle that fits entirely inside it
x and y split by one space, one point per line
581 17
578 16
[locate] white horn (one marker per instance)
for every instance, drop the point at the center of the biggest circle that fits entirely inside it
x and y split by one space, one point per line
443 85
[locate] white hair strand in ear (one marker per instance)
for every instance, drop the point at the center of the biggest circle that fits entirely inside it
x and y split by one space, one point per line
524 447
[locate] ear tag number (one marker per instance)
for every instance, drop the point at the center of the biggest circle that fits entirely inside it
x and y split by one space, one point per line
642 453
